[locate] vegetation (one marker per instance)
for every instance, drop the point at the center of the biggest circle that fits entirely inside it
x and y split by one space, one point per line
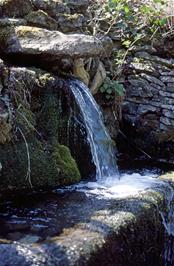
111 87
130 23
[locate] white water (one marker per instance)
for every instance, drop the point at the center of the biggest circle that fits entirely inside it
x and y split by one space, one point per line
109 183
127 185
101 145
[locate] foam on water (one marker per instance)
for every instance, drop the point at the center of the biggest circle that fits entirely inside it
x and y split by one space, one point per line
111 187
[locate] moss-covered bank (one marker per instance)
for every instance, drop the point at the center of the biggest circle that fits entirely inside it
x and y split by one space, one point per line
30 152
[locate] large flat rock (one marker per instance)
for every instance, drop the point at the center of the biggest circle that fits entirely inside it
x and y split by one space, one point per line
35 41
94 231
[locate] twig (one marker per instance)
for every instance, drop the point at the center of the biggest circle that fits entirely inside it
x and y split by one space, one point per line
135 146
28 175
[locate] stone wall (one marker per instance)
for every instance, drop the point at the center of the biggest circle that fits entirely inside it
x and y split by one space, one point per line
148 107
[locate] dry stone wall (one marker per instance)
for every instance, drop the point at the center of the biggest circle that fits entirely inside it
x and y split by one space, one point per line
149 102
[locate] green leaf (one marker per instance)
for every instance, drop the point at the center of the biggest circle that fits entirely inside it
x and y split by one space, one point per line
127 43
109 91
126 9
102 89
108 96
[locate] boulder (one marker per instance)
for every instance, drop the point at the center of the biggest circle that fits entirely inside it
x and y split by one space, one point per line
12 22
51 45
78 5
97 231
30 152
70 23
41 19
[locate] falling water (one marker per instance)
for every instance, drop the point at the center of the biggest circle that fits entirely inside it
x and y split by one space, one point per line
101 145
168 222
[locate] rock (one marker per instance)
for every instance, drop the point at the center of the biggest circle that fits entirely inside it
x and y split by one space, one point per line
149 100
5 131
138 82
145 48
29 239
143 109
29 116
111 120
165 45
167 121
166 94
164 62
53 7
51 45
169 87
168 113
145 67
167 79
15 8
79 71
70 23
106 232
78 5
41 19
12 22
152 79
5 125
168 73
168 176
98 78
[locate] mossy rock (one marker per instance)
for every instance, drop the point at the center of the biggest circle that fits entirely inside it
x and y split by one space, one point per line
48 119
66 164
46 168
25 119
5 132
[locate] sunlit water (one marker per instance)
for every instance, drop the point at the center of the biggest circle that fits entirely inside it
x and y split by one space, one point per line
101 145
112 187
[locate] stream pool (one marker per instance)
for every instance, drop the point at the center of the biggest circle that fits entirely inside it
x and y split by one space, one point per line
34 217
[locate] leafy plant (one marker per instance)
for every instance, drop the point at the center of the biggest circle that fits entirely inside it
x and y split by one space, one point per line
112 88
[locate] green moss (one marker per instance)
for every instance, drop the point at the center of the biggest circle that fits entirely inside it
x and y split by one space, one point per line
49 163
66 164
48 169
25 119
49 117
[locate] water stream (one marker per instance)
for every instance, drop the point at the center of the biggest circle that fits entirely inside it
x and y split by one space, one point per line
108 185
101 145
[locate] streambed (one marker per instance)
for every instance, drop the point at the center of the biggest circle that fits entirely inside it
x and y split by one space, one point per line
113 223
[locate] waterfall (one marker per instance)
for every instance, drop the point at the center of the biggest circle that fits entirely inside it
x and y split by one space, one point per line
101 145
102 150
